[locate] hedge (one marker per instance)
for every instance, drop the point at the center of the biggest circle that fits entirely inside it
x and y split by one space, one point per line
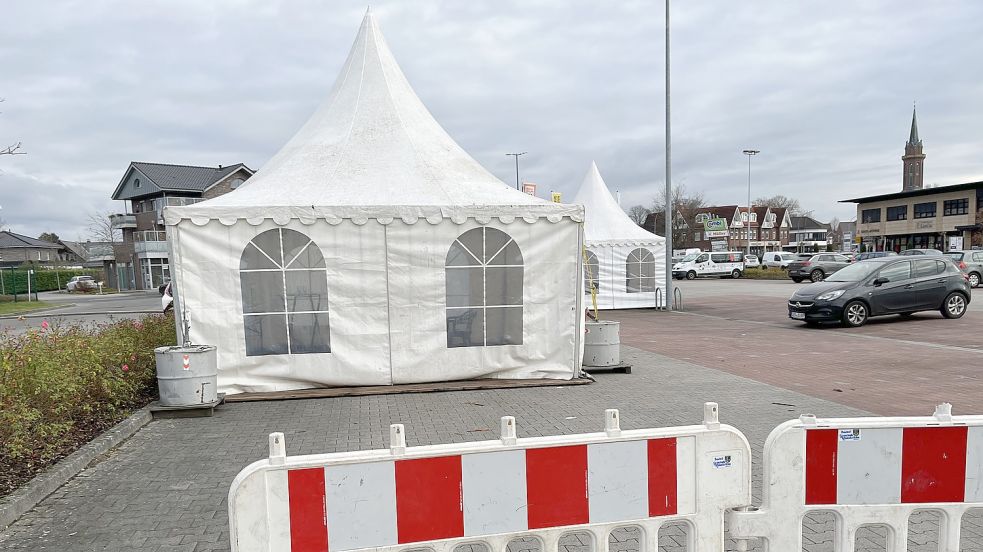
61 384
15 281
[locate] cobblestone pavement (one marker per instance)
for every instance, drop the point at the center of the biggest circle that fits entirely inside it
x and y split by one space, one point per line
165 489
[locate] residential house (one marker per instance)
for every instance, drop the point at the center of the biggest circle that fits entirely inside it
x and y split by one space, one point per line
141 260
727 227
17 249
71 253
808 234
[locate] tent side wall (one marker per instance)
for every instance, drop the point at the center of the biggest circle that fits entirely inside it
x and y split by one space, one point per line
386 293
613 275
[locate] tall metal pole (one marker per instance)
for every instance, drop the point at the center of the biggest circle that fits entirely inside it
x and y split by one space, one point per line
516 155
669 299
749 153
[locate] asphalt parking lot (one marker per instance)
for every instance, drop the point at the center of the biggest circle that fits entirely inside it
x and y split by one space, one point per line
891 366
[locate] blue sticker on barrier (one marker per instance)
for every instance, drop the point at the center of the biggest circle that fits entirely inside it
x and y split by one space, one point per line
721 461
849 435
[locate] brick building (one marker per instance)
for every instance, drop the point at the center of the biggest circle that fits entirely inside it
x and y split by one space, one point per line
141 260
767 228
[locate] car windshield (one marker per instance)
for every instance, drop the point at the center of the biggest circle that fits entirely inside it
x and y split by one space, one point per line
690 257
853 273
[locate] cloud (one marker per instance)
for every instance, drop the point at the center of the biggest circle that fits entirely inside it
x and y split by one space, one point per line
825 94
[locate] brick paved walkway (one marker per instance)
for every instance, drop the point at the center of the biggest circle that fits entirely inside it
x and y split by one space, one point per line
165 489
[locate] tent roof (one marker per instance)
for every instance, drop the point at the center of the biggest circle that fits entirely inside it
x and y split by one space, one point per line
604 220
372 142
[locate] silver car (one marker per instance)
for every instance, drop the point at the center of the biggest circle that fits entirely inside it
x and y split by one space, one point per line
971 263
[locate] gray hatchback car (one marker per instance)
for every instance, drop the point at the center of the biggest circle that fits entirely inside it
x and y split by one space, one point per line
817 267
970 262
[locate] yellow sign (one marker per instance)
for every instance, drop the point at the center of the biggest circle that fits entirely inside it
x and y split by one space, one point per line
556 197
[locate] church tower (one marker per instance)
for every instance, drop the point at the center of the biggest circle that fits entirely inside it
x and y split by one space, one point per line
914 159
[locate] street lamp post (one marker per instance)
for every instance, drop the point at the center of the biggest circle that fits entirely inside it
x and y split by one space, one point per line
749 153
516 155
669 299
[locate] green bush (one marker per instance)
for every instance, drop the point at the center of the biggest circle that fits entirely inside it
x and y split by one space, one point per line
15 281
58 383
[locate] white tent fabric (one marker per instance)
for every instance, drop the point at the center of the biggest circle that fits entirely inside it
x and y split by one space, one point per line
373 250
626 261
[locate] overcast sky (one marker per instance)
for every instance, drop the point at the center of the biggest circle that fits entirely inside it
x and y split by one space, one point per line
824 89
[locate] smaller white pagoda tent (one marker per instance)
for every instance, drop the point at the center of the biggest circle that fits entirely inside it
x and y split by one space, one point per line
625 263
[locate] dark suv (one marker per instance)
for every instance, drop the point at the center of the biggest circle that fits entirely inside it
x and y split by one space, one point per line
888 285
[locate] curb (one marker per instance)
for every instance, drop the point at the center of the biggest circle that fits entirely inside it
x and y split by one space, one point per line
30 495
33 314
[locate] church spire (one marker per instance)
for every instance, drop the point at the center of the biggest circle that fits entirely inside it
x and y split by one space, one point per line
913 137
913 176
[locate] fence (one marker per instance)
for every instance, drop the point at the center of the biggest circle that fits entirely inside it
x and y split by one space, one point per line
864 470
493 491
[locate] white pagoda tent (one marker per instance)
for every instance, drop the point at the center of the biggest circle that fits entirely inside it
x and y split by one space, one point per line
624 262
373 250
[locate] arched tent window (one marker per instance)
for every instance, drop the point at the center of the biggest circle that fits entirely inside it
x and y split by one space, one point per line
284 295
640 270
484 289
590 273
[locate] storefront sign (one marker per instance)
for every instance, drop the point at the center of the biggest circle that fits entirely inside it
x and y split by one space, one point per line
716 228
718 245
955 242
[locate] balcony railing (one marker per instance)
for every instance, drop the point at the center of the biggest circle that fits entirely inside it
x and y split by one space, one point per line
149 241
123 221
162 202
150 236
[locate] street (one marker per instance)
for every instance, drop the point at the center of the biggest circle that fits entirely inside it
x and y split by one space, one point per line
85 309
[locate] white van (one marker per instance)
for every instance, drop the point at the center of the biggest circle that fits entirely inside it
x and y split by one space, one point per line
710 263
777 259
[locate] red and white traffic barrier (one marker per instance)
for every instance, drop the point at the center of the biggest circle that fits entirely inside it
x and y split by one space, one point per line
867 471
493 491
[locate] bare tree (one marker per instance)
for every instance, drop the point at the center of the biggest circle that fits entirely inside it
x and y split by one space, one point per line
13 149
638 214
784 202
685 204
100 228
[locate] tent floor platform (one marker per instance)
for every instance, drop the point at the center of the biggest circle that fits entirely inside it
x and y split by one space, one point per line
621 367
436 387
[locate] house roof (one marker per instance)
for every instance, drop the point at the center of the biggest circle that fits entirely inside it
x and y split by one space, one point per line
372 142
803 222
915 193
604 220
75 247
180 178
10 240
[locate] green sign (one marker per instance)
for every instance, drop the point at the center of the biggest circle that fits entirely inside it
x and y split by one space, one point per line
715 225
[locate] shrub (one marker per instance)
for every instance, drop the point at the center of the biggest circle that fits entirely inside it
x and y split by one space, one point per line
15 281
58 383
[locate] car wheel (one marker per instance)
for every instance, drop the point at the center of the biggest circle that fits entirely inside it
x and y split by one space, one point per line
764 267
797 280
736 274
855 314
974 279
816 275
690 275
954 305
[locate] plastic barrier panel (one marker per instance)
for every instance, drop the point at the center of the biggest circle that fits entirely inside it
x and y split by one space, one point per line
490 492
867 471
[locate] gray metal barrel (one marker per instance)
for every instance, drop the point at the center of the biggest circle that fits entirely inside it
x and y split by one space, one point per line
602 343
187 375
